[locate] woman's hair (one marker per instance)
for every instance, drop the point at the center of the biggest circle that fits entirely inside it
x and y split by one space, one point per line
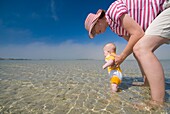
102 14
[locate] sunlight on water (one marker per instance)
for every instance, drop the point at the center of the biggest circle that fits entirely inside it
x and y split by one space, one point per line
74 87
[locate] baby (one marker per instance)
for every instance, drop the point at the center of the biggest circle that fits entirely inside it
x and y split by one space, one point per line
115 73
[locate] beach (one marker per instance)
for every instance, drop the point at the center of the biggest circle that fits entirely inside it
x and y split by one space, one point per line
74 87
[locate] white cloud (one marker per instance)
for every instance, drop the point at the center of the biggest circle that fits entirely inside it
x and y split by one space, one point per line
53 10
66 50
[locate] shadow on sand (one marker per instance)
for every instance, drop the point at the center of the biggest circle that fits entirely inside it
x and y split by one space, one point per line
129 82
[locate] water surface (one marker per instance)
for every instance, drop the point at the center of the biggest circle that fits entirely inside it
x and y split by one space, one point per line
73 87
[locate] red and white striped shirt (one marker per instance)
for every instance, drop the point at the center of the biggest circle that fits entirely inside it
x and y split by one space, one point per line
142 11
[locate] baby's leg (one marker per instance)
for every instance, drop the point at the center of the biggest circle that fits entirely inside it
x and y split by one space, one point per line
114 87
114 81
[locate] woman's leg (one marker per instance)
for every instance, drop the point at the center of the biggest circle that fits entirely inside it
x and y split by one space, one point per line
145 80
151 66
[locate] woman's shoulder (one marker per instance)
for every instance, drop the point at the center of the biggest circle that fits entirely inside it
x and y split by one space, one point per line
116 8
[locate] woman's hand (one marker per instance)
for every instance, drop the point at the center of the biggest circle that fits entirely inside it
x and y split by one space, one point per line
118 60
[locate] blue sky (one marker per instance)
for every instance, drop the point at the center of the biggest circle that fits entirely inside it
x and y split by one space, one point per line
51 29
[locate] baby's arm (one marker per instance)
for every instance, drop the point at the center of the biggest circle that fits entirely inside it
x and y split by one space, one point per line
108 63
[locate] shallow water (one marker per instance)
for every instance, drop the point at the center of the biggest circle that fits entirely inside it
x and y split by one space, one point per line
73 87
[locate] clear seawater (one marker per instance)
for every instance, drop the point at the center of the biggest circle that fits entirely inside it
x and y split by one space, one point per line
73 87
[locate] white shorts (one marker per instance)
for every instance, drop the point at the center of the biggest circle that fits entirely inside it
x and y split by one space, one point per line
115 73
160 25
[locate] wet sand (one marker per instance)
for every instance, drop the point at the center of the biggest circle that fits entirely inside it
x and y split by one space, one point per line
73 87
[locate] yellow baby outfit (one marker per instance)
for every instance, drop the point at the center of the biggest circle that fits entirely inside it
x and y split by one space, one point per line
114 72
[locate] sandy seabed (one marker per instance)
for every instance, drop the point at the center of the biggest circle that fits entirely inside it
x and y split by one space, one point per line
73 87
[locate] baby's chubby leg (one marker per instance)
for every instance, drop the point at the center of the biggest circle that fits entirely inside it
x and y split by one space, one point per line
114 87
114 81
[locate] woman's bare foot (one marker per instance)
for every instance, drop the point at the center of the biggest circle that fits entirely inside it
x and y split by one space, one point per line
140 84
156 103
149 105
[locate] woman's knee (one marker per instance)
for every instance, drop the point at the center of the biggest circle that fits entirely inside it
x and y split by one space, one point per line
138 50
144 46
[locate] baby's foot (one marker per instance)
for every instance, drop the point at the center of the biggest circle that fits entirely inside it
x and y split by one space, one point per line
114 88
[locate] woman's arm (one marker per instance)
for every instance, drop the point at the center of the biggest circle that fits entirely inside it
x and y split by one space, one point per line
135 31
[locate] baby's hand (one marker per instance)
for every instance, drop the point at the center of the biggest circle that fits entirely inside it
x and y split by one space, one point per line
104 67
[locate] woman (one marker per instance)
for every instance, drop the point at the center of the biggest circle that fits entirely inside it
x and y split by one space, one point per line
130 19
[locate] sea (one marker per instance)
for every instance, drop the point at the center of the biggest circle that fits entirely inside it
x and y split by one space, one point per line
74 87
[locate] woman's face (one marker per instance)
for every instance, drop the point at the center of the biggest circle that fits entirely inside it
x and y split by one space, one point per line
100 27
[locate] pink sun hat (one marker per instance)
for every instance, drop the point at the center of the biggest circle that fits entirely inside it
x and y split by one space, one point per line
91 21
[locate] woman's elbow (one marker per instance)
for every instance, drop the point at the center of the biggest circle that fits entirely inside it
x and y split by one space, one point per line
140 33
